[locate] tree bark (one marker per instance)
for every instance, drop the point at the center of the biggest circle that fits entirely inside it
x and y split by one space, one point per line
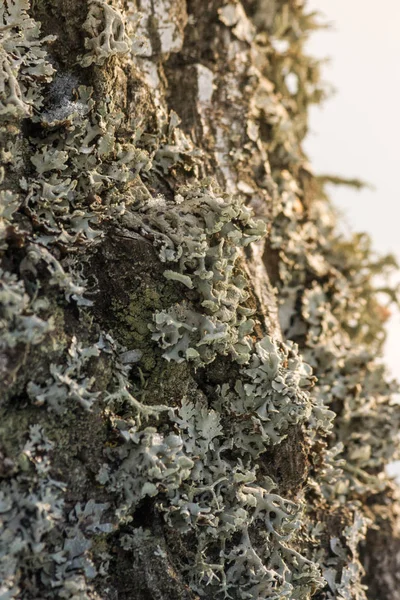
192 404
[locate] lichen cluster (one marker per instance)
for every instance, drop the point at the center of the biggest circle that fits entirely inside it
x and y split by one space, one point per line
102 448
199 237
203 471
24 66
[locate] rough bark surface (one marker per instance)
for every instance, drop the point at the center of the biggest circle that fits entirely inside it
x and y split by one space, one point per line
191 404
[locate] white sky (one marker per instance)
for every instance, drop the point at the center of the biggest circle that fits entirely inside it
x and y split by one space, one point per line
357 132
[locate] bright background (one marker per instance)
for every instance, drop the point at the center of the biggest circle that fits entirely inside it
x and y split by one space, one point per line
357 132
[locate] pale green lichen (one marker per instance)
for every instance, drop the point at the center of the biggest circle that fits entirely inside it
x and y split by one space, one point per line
202 233
23 60
274 390
106 33
206 482
202 457
330 318
329 302
68 384
9 203
19 314
29 511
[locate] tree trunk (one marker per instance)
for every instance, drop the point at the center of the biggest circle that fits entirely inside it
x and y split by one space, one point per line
191 405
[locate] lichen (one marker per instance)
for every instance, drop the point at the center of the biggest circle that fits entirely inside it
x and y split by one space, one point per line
274 390
106 33
20 322
206 482
68 383
197 395
201 235
23 61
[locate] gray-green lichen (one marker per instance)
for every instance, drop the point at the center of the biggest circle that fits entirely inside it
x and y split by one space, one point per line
106 33
204 476
30 540
200 236
68 383
23 61
20 321
103 155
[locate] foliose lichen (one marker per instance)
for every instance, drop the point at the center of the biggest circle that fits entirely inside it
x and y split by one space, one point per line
200 236
88 165
24 66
